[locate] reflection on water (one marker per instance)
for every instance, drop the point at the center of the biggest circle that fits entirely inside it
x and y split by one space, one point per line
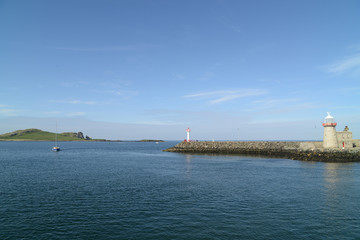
339 180
334 172
188 164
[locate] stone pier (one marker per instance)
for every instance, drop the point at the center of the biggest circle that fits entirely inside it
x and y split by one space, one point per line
297 150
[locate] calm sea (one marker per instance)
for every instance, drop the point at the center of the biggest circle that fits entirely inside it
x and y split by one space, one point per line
135 191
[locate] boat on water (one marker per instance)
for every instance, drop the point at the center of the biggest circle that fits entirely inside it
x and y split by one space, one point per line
56 148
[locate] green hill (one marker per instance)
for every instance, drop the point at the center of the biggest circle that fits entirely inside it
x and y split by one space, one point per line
34 134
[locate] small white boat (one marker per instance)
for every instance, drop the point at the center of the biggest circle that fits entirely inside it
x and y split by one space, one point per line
56 148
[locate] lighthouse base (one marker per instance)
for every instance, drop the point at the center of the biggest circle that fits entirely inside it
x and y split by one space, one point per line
330 137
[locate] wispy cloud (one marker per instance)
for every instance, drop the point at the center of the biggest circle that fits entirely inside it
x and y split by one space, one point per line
52 113
81 102
7 112
75 102
230 24
276 102
74 84
122 93
347 64
107 48
76 114
355 47
115 83
215 97
206 76
154 122
281 107
178 76
126 93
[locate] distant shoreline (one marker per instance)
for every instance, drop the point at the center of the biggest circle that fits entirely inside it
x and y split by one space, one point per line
37 135
93 140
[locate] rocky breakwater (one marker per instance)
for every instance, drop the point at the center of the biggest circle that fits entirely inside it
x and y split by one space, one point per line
306 151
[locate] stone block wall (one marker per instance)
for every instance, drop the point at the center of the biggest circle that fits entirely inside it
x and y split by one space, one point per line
345 137
246 146
307 151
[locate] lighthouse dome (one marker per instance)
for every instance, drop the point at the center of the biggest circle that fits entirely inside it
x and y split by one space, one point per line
329 118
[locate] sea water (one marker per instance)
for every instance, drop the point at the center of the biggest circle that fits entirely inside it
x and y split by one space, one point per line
128 190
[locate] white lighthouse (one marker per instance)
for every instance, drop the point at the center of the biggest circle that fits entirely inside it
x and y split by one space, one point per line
330 136
188 134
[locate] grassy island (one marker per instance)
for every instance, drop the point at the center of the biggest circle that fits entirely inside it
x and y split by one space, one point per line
33 134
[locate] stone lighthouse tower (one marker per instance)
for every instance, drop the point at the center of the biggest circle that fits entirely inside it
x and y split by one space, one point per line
330 137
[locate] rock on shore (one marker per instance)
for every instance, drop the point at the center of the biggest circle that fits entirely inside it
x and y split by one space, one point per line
306 151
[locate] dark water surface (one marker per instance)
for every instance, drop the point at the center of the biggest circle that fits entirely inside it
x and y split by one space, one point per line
135 191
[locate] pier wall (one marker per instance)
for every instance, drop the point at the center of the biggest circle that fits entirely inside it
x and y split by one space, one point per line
233 146
307 151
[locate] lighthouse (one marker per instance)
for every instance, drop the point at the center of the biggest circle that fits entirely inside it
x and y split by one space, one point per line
330 136
188 134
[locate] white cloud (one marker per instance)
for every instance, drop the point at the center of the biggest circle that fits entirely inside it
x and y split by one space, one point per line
52 113
206 76
8 112
76 102
215 97
76 114
97 49
164 123
74 84
279 106
355 47
126 93
108 48
179 76
81 102
276 102
347 64
230 24
225 99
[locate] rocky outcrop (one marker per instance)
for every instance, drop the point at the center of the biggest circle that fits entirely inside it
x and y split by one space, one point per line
306 151
80 135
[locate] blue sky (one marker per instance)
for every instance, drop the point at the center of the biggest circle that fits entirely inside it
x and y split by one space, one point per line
241 70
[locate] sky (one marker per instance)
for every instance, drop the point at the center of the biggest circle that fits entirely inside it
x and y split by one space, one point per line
140 69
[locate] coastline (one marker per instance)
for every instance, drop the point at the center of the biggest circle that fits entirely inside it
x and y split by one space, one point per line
80 140
295 150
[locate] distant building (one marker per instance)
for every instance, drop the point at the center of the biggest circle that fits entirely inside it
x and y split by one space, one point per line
334 139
